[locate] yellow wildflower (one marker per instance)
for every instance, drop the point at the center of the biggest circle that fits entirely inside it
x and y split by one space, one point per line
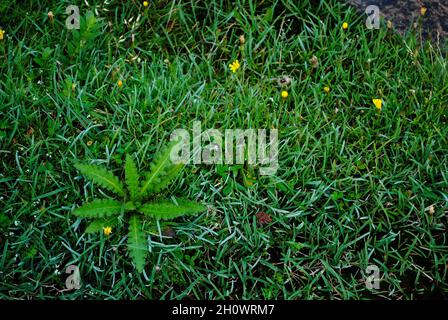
285 94
234 66
2 33
89 143
107 231
423 10
345 26
378 103
327 89
145 3
119 83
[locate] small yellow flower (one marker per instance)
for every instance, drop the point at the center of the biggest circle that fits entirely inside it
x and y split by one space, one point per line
327 89
423 10
107 231
145 3
345 26
378 103
234 66
389 24
119 83
89 143
2 33
285 94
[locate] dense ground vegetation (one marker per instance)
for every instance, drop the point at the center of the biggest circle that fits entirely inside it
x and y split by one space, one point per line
356 186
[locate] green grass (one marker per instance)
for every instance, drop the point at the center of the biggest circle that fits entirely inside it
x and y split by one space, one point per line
355 186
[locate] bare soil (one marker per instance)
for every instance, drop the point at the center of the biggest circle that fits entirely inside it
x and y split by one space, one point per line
405 15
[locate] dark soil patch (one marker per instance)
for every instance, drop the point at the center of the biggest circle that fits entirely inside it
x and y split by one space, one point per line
405 13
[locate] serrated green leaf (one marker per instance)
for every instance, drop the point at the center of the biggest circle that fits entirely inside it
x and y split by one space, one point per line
137 246
99 224
100 208
131 177
102 177
169 210
169 176
162 172
129 206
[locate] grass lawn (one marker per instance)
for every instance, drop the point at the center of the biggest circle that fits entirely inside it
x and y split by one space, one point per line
355 185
